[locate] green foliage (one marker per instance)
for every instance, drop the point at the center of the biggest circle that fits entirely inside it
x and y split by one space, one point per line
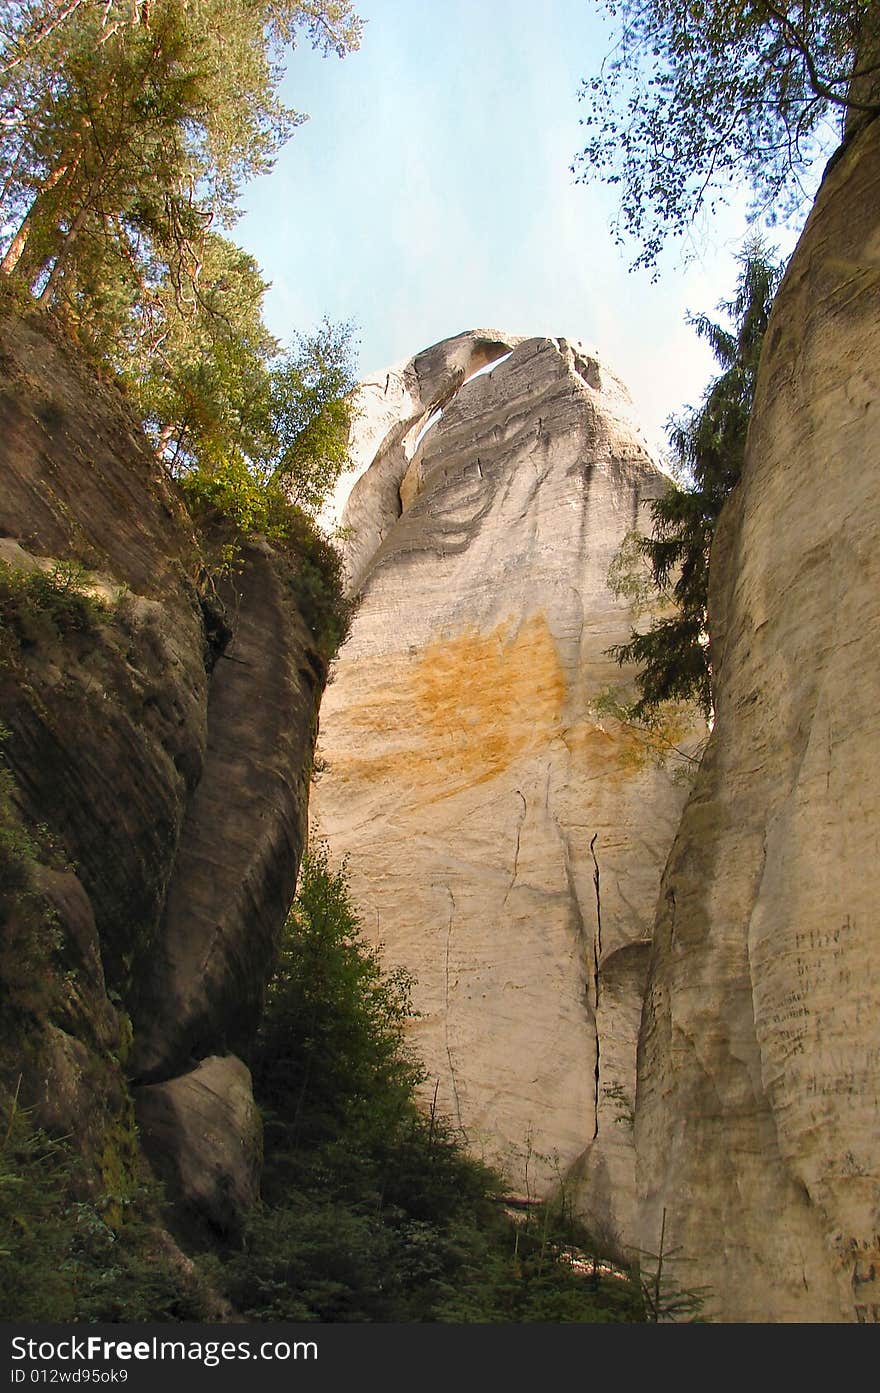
332 1037
60 1257
657 735
132 128
129 132
317 582
664 1299
543 1267
48 603
310 415
233 491
35 1239
231 502
63 1257
624 1107
674 655
269 470
372 1209
97 153
219 396
274 431
196 360
124 1271
28 925
698 97
18 849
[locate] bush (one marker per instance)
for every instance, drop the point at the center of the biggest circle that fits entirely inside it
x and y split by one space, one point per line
60 1257
28 925
316 579
232 489
36 1233
333 1033
46 604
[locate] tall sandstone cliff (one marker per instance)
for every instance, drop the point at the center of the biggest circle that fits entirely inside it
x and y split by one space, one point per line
758 1110
500 846
162 752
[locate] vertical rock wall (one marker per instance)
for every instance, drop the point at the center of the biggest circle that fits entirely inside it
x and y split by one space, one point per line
164 783
758 1112
499 845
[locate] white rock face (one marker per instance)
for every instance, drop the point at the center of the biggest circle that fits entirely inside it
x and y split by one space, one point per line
758 1114
498 846
392 409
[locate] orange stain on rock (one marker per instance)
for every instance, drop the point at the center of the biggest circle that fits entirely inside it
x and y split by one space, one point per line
464 710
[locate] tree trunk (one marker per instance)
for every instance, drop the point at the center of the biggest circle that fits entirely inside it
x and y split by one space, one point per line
93 190
19 242
166 435
55 274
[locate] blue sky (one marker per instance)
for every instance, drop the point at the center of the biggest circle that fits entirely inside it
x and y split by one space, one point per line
430 192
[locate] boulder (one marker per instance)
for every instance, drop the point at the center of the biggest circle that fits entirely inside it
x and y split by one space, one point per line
202 1132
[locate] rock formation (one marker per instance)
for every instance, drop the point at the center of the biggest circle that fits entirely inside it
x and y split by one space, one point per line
500 846
392 411
241 840
758 1111
162 752
205 1130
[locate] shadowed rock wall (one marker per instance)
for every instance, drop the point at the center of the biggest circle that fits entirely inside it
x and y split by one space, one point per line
169 763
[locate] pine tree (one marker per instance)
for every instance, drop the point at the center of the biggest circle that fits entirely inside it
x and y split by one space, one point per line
674 656
129 130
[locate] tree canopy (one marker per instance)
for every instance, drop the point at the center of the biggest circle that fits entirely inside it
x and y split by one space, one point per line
674 656
700 94
129 128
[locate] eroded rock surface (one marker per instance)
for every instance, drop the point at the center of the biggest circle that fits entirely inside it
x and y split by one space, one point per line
242 838
758 1112
392 410
106 734
499 846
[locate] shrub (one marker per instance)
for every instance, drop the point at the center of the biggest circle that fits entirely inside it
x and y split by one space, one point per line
232 489
36 1232
231 501
28 925
60 1257
46 604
